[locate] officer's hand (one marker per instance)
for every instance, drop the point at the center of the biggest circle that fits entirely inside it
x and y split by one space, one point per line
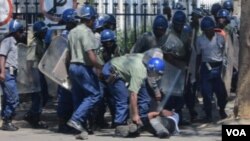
136 119
2 77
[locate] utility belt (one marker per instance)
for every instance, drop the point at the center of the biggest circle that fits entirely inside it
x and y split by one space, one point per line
211 65
12 70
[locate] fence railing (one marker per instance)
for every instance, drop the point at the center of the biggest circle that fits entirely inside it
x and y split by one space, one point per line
133 19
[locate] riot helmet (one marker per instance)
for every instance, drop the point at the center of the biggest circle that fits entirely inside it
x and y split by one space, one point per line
15 26
228 5
87 12
160 25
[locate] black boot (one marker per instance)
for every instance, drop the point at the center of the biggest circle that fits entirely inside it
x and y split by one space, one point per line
223 114
34 121
193 115
64 128
208 118
8 125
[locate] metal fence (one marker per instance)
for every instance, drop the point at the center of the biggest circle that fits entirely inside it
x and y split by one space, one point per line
136 17
132 14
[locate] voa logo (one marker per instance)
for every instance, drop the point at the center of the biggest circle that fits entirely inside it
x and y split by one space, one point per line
236 132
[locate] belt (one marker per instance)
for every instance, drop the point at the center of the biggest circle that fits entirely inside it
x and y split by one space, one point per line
12 70
215 64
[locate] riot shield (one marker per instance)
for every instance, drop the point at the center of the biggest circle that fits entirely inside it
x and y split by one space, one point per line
154 52
53 63
174 46
173 74
25 81
231 54
236 47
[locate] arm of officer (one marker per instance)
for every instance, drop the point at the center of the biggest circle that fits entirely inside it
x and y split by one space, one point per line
4 49
134 108
2 67
93 58
134 87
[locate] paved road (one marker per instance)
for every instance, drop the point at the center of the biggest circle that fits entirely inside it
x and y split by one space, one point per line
211 133
193 132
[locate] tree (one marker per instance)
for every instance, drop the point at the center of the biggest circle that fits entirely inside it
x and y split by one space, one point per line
242 106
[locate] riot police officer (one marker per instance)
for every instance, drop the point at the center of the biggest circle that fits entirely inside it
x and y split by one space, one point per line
210 47
34 55
152 39
8 74
85 85
65 101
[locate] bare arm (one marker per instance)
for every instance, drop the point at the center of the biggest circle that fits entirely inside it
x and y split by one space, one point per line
93 59
2 67
152 115
134 108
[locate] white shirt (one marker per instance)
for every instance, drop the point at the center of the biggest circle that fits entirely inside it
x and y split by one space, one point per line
8 48
211 51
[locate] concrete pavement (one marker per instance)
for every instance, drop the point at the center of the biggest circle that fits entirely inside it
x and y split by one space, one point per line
193 132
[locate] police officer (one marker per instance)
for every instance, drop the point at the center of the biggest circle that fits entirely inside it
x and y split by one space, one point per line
65 101
99 25
167 12
234 29
210 47
130 68
110 48
85 85
214 10
34 55
176 52
234 20
69 19
107 51
111 22
152 39
8 73
105 21
191 84
223 19
106 39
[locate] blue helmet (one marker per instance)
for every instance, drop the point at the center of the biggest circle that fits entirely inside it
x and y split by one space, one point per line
156 65
207 23
69 15
39 27
198 12
111 19
215 8
223 13
87 12
101 21
179 17
160 22
179 6
15 26
187 28
107 35
228 5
